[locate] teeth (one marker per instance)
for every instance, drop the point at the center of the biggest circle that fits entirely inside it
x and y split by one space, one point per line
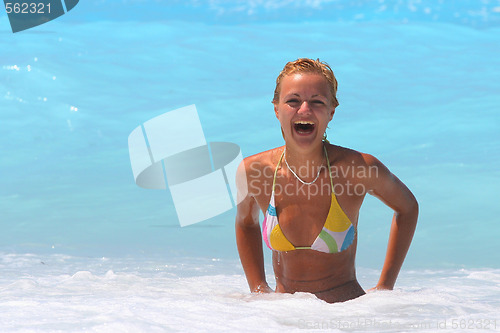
304 122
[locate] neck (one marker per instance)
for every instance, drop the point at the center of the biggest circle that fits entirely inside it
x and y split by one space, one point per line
305 163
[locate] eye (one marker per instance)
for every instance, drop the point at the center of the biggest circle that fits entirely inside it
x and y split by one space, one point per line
293 101
318 102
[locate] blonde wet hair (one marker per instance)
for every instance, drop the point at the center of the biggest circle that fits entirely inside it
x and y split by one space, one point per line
306 65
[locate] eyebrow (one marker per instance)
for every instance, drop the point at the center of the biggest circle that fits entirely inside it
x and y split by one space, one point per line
317 95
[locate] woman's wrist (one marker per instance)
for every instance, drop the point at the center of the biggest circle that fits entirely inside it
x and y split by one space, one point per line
262 288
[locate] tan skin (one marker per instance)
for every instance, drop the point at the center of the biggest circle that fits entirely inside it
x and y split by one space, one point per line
302 209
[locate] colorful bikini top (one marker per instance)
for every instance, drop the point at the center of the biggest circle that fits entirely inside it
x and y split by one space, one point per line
337 233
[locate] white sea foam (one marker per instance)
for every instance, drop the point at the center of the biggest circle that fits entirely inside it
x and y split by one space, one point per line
61 293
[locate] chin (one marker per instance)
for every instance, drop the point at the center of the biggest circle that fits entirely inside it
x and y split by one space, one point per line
304 141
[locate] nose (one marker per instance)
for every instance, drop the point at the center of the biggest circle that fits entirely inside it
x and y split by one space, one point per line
304 108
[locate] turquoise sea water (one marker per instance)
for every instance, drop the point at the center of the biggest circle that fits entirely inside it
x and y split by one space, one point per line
418 88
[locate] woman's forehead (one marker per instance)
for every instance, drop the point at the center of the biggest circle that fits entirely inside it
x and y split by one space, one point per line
305 83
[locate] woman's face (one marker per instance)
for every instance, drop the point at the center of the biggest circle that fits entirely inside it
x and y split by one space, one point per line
304 108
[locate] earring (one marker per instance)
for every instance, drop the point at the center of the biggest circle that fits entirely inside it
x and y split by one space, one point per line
325 139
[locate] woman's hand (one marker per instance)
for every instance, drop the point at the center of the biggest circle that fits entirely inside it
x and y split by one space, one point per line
378 288
263 289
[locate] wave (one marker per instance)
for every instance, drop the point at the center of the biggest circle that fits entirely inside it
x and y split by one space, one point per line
480 14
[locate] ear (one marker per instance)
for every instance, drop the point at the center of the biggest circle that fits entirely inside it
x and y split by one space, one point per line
332 112
276 110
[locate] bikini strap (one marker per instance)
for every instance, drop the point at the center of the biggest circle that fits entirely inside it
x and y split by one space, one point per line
328 163
277 166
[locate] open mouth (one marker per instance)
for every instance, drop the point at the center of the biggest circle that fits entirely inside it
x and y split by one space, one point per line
304 126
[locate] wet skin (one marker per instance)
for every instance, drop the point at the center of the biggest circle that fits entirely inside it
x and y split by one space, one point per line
301 217
304 110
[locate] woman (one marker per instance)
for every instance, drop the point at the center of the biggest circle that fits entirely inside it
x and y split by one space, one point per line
310 192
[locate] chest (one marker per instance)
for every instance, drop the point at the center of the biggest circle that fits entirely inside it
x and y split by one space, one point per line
302 209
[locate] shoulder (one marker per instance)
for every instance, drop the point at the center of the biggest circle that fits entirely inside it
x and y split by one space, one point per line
342 155
260 161
355 165
258 167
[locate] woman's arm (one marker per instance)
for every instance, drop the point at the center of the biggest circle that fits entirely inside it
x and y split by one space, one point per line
248 236
388 188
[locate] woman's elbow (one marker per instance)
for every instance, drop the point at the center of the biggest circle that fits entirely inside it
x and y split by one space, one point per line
413 206
410 209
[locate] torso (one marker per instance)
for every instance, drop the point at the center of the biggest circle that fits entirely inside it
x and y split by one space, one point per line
302 211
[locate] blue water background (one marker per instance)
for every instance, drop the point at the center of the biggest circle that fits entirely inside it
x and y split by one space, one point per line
418 88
